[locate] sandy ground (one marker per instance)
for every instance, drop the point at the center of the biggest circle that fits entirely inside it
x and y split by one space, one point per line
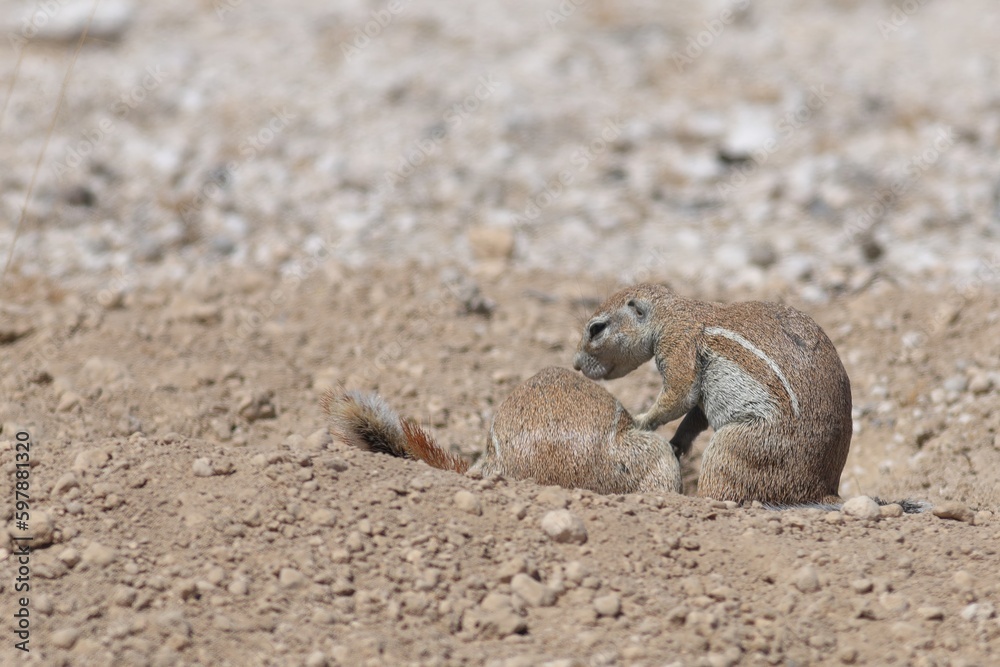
270 214
201 515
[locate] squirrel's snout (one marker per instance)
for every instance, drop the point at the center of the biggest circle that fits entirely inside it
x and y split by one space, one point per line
589 366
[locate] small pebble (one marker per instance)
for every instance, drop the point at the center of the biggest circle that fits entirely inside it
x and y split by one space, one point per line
43 604
576 571
956 383
963 580
238 587
421 483
848 655
931 613
318 440
509 569
862 507
954 510
468 502
91 459
354 541
862 586
564 527
65 483
42 530
123 596
496 602
98 554
68 401
202 468
69 556
979 611
534 593
291 578
323 517
609 605
317 659
64 638
806 579
891 511
980 383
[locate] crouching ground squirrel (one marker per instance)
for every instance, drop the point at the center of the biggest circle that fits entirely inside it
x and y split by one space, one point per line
557 428
764 376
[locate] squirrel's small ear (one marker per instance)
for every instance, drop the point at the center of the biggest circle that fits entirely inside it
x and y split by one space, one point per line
640 310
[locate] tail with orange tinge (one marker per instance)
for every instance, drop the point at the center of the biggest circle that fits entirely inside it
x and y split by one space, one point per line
365 421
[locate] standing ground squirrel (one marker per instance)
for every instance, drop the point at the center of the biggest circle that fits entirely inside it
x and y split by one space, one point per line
557 428
764 376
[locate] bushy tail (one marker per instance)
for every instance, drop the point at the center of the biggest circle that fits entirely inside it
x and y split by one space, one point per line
833 504
909 506
365 421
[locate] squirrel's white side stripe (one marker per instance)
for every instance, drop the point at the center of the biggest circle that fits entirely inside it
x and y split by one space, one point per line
493 442
737 338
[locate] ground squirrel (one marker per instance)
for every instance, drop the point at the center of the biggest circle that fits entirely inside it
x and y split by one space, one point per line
764 376
556 428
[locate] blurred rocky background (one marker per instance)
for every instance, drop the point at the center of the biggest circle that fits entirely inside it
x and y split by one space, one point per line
742 145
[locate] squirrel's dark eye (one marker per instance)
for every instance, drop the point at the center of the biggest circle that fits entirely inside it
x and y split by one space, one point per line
596 328
639 312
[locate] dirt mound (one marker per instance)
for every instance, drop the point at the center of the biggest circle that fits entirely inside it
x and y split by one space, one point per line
201 515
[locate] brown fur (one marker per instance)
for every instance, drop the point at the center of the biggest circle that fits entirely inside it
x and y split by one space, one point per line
421 446
556 428
764 376
367 422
